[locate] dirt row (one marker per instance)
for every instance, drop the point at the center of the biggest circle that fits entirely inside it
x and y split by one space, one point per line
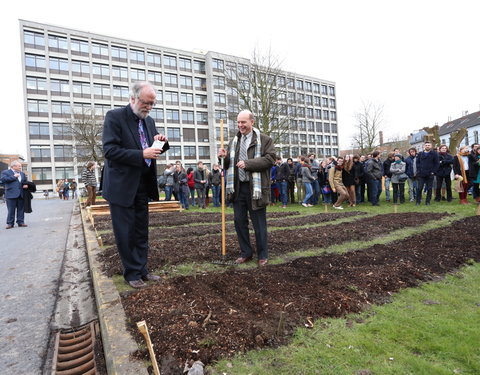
173 219
185 248
216 315
202 230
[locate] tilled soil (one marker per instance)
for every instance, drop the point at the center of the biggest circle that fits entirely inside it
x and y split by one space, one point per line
173 219
223 314
185 248
189 231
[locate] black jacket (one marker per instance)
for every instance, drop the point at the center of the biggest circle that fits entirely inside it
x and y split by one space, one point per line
445 164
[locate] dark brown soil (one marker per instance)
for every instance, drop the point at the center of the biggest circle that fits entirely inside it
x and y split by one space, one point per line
186 248
222 314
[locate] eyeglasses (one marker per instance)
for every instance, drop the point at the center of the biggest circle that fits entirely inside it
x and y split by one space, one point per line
150 104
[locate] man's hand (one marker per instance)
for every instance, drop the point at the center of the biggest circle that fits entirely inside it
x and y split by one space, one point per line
16 175
25 186
222 153
160 137
241 164
151 153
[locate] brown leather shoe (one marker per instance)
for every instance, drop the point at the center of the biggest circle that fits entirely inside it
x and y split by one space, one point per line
9 227
242 260
151 277
23 225
262 262
137 284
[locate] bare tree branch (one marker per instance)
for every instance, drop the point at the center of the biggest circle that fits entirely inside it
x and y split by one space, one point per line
368 123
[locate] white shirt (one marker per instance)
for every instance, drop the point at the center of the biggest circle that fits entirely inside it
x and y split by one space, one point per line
19 175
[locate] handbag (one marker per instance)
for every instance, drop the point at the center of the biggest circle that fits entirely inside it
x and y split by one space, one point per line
326 189
403 177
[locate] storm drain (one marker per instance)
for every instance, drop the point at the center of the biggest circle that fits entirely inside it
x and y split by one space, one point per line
74 351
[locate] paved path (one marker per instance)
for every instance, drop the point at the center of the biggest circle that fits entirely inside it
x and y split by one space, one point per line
31 263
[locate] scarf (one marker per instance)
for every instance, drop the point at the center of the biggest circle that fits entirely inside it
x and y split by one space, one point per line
255 177
339 167
462 167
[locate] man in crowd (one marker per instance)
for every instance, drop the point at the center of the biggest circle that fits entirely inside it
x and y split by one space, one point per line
315 185
291 180
283 173
427 165
387 174
374 172
411 171
129 178
15 185
248 160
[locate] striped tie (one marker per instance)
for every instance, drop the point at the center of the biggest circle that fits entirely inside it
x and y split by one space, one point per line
143 140
242 174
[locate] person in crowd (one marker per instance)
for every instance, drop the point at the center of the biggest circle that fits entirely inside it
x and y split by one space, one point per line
335 178
387 175
358 174
215 181
248 160
176 186
315 165
169 180
475 173
191 185
90 182
445 161
73 189
396 151
275 193
200 178
282 176
461 169
427 165
59 188
374 172
323 182
129 178
16 186
291 180
307 179
411 171
397 170
66 190
298 178
207 185
473 160
348 178
183 190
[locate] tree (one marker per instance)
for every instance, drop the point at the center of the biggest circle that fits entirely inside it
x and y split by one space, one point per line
262 89
86 132
368 123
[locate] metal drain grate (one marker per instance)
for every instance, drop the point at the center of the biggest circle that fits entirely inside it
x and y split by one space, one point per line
74 351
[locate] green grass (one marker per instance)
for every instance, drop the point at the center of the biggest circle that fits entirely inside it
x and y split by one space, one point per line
433 329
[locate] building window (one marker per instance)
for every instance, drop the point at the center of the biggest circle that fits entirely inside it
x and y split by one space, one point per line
186 82
101 110
299 85
302 125
169 62
99 51
332 103
101 91
63 153
204 152
331 91
171 98
154 59
79 47
37 108
120 93
310 112
137 57
200 83
188 117
81 69
217 65
475 136
40 153
58 87
120 73
119 54
318 114
219 82
59 66
333 116
220 99
316 88
33 40
62 173
173 134
173 116
189 152
137 74
334 128
320 139
101 71
186 99
202 118
301 111
62 131
36 85
202 135
61 109
201 101
324 90
310 126
308 86
39 130
309 100
185 64
42 176
57 43
171 80
301 99
326 127
243 70
157 114
318 102
155 77
220 115
318 127
175 152
324 102
81 89
199 66
35 63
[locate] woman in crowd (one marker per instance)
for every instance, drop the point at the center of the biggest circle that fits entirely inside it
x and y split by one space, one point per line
214 181
336 183
348 179
443 173
191 185
183 190
90 182
397 170
59 188
323 182
66 190
474 160
461 170
358 173
307 179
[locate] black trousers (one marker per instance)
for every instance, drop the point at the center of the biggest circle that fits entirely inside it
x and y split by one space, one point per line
426 182
291 190
398 192
130 226
448 187
242 206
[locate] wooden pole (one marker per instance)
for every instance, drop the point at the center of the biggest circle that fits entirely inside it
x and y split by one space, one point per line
224 250
142 327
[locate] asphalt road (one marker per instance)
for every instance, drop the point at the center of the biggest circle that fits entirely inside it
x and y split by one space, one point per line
30 268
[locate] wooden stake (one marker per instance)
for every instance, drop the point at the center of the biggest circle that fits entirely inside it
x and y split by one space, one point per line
326 207
142 327
224 250
395 208
478 209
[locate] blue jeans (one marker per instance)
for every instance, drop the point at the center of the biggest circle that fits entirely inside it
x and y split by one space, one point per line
315 192
308 191
283 186
168 192
183 198
375 188
192 196
216 195
387 188
358 193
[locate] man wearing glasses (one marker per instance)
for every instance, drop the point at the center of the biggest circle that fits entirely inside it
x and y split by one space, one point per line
129 178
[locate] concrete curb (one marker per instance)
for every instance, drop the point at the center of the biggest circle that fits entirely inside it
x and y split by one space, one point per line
118 345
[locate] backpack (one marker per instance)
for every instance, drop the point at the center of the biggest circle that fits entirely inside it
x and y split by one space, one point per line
162 180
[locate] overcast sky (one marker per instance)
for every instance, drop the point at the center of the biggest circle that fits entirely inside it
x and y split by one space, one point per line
419 59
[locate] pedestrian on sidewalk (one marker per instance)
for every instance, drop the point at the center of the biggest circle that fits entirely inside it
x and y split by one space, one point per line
15 183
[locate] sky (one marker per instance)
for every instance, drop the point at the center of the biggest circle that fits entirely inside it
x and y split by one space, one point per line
419 59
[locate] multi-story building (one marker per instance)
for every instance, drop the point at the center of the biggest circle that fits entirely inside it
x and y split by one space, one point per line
69 71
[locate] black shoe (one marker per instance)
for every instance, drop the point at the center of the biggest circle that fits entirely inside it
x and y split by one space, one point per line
427 203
